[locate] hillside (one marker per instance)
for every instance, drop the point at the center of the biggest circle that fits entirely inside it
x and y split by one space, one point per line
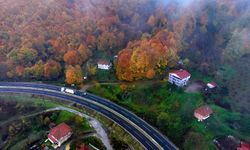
61 41
35 32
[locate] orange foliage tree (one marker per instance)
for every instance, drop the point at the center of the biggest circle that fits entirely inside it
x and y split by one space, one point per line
110 40
74 75
52 69
72 58
19 70
84 52
146 57
150 74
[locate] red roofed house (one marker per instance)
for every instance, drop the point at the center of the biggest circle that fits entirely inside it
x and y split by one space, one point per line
60 134
104 64
179 77
203 112
83 147
211 85
244 146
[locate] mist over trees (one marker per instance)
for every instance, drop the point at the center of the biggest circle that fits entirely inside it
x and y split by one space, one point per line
41 39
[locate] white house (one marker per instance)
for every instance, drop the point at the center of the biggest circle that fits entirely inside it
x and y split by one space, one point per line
59 134
211 85
179 77
104 64
203 112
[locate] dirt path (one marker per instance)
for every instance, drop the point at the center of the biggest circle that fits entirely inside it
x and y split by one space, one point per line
194 87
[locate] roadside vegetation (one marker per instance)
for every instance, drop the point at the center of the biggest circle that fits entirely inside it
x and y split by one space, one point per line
17 105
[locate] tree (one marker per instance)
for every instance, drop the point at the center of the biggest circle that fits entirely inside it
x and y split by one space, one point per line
84 52
163 120
142 59
92 69
74 75
171 124
23 56
195 140
52 69
38 70
3 70
238 45
28 73
46 121
12 130
186 62
19 71
72 58
150 74
152 21
110 40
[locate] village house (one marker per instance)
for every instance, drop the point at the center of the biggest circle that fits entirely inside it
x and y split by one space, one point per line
83 147
211 85
243 146
104 64
179 77
203 112
227 142
59 134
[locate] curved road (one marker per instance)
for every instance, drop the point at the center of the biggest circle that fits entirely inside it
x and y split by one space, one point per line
149 137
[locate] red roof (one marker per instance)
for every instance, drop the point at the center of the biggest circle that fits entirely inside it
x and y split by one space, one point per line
59 131
212 83
244 146
204 111
103 62
181 73
83 147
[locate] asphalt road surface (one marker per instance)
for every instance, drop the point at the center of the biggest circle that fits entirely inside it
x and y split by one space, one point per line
149 137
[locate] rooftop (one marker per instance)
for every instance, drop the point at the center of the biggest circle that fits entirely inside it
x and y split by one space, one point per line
211 84
103 62
244 146
181 73
84 147
59 131
227 143
204 110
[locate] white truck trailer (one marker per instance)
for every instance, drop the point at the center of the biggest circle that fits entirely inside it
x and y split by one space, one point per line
66 90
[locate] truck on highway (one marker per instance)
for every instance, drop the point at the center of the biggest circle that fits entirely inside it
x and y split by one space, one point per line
66 90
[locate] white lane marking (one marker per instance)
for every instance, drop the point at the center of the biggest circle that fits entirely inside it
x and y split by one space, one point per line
146 128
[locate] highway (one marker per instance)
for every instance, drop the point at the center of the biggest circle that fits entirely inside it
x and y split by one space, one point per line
149 137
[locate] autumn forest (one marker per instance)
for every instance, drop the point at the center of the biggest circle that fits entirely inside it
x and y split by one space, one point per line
44 40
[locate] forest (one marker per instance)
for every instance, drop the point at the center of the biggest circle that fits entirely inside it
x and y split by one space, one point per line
51 39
